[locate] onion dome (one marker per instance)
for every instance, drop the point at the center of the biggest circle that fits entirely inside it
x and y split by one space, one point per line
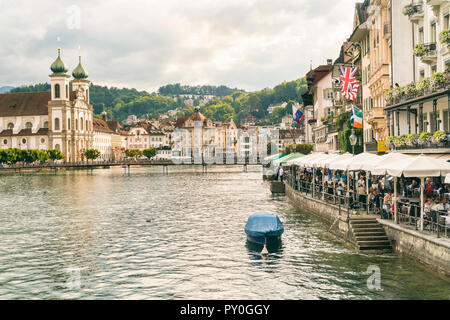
59 66
79 73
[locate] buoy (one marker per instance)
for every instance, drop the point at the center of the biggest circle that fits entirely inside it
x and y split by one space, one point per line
149 220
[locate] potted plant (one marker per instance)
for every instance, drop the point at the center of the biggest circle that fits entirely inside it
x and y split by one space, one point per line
390 141
420 50
444 36
389 96
440 136
401 141
411 89
408 10
411 139
423 85
424 138
439 79
399 93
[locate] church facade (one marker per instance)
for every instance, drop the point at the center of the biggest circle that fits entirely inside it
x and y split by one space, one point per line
59 119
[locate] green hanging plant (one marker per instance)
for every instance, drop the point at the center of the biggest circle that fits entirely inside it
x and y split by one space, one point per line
399 92
400 141
389 95
440 136
411 139
408 10
444 36
423 85
420 50
411 89
424 137
439 78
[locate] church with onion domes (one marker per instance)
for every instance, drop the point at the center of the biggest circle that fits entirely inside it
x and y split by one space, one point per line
61 119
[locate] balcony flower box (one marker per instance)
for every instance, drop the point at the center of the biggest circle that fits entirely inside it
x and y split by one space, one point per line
444 36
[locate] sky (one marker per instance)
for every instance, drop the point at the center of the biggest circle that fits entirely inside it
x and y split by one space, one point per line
145 44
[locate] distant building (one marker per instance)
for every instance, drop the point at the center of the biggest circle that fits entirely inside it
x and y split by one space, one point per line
277 105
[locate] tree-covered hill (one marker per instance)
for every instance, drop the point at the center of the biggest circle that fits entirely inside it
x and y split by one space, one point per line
178 89
228 104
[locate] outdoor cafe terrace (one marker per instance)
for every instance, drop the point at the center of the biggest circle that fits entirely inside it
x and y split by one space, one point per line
411 190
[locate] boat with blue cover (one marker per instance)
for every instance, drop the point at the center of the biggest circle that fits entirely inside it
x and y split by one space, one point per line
264 228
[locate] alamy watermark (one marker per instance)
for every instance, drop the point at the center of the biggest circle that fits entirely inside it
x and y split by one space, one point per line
374 280
74 280
203 145
73 21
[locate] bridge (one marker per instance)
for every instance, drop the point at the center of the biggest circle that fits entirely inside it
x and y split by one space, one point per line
126 164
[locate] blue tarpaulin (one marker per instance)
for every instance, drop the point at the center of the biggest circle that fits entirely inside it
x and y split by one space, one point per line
264 225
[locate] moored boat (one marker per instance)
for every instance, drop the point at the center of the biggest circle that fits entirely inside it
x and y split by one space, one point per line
264 228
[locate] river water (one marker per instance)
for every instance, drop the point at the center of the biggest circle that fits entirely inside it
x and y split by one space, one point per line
106 235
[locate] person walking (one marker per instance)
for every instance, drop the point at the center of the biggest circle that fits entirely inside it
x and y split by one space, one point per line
281 172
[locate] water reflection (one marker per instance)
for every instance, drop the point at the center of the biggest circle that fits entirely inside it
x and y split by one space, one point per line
53 227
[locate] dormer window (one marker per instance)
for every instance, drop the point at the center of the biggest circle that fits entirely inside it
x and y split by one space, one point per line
28 125
10 126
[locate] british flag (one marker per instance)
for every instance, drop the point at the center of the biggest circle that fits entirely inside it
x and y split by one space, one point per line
353 92
349 85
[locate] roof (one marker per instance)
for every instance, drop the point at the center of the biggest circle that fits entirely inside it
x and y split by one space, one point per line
317 74
24 132
101 126
26 103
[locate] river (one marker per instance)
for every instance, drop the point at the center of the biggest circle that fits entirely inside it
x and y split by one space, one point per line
106 235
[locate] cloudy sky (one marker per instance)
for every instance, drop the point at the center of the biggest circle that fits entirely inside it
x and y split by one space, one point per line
249 44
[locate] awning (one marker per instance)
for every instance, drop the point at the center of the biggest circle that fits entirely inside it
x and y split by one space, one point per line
274 157
420 167
287 158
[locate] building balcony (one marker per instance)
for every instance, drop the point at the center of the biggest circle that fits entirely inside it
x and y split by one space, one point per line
415 12
417 95
430 54
435 2
375 114
422 147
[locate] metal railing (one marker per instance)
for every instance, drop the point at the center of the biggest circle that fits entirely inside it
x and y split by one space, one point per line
408 213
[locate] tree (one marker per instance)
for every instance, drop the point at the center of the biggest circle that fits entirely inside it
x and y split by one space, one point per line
55 154
304 148
149 153
92 154
133 153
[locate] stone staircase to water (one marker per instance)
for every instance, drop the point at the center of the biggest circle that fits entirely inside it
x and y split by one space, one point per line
369 235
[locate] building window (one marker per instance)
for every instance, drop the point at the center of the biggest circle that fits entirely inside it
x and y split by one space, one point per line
67 91
46 124
24 141
81 124
76 124
447 21
57 127
57 91
422 74
57 147
421 35
433 32
68 124
434 69
10 126
5 141
87 125
28 125
42 140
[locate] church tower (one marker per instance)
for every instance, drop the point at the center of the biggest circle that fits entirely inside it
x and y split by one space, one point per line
82 113
59 105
